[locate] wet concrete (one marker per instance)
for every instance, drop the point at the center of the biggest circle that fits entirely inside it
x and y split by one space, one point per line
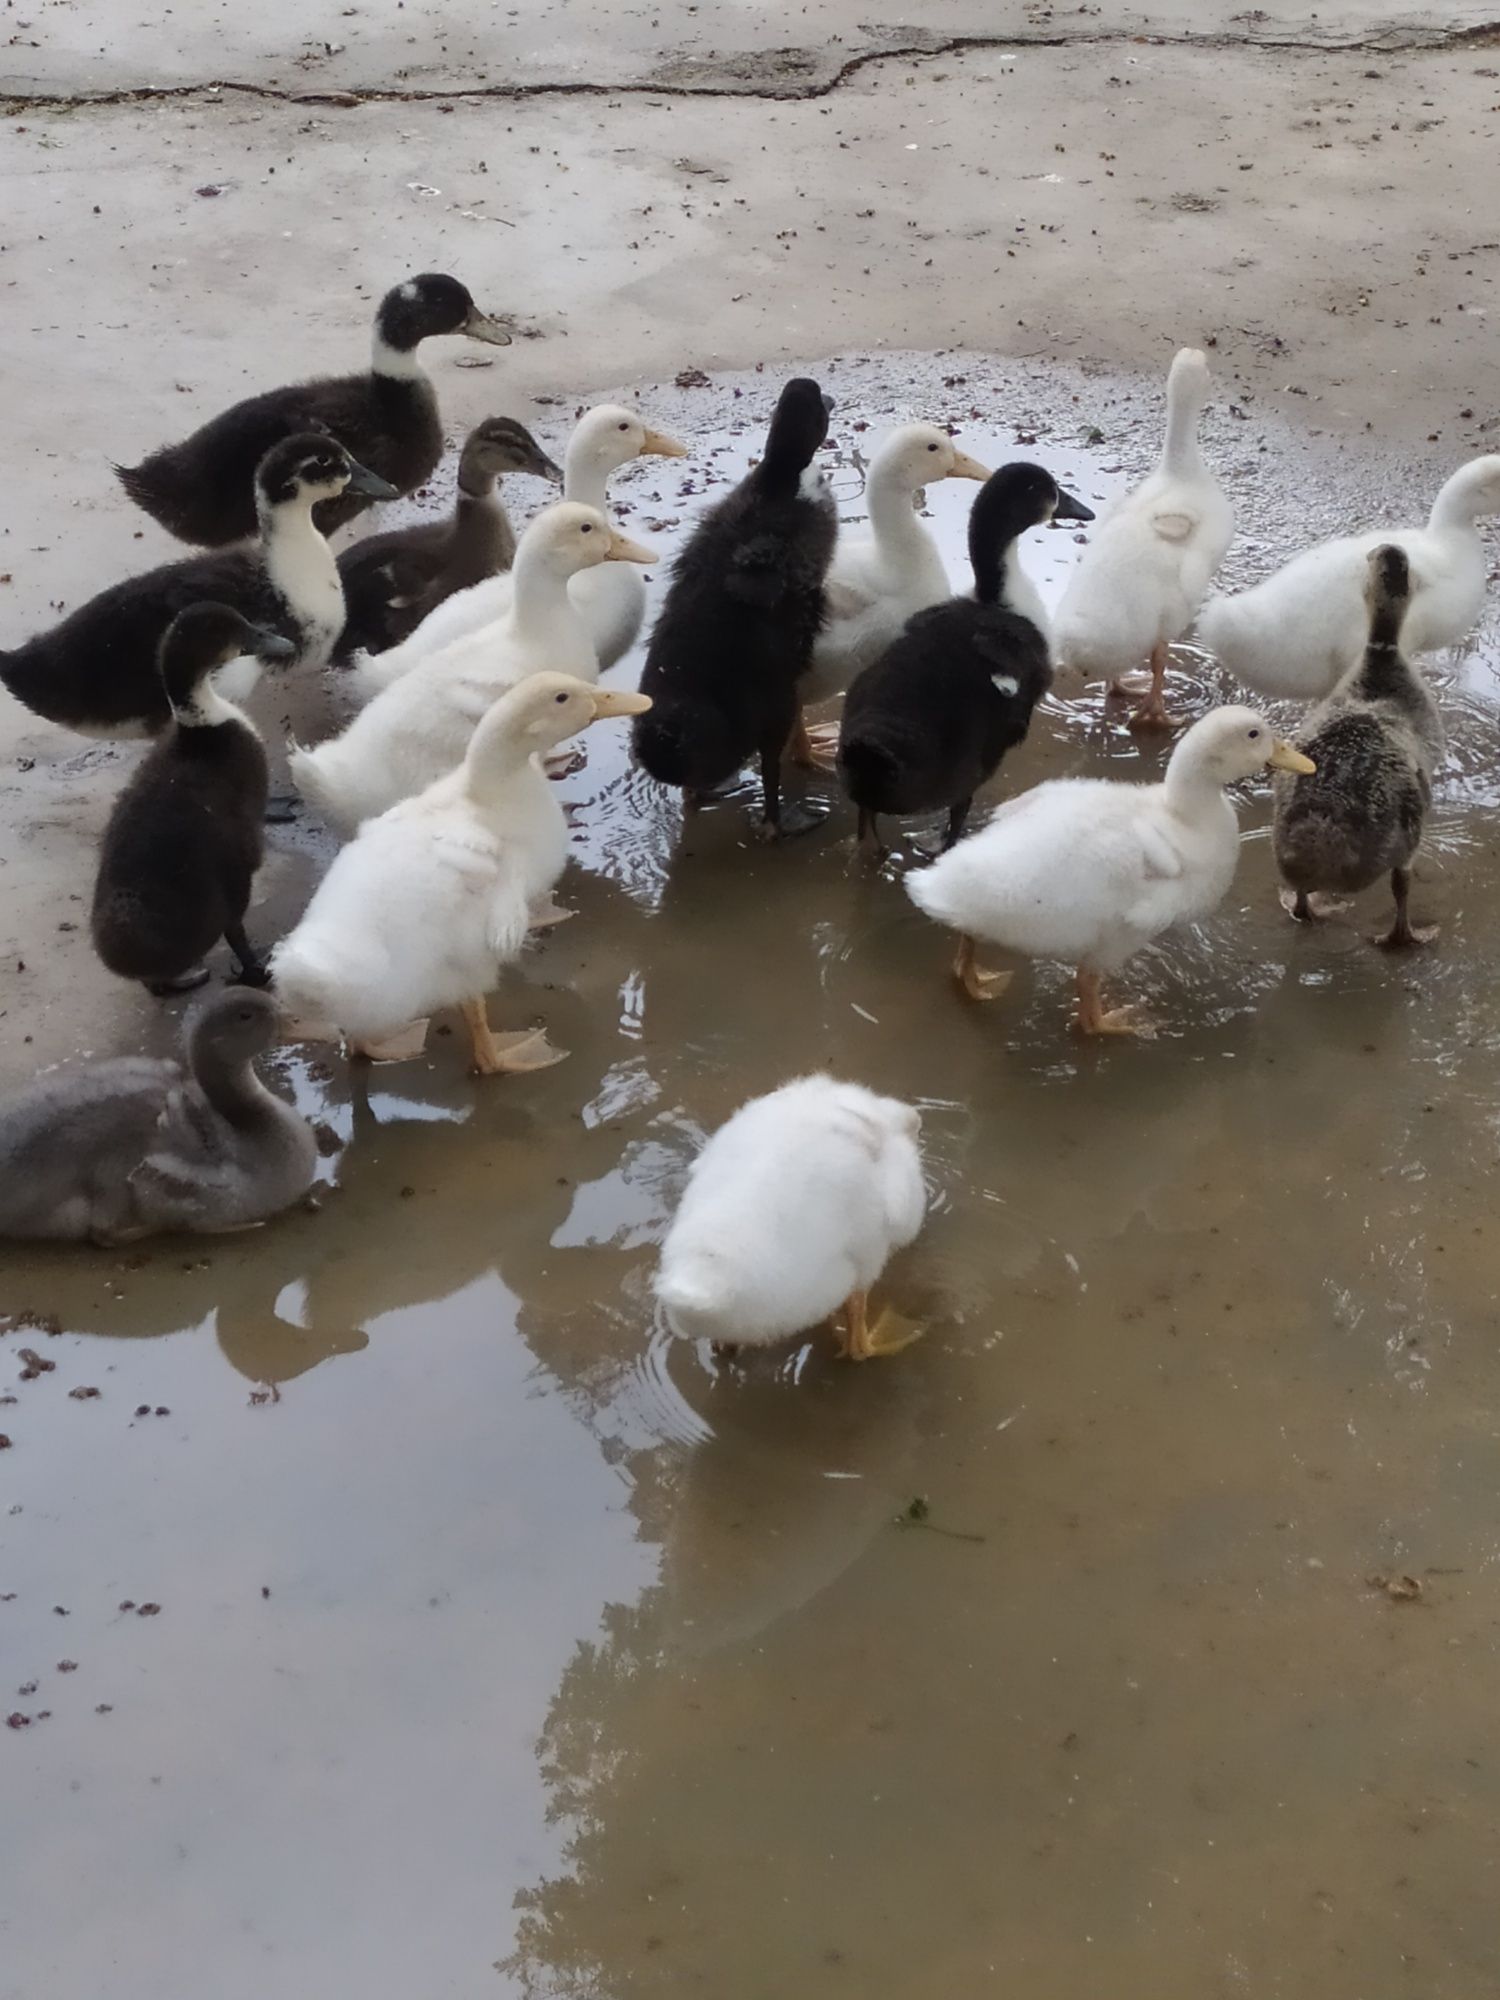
504 1648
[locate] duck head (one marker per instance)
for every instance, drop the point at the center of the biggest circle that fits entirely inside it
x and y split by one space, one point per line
799 427
500 445
228 1030
610 436
535 716
1017 497
434 303
1234 743
313 466
196 644
567 537
917 454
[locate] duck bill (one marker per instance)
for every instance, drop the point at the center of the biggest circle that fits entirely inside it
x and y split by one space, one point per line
542 467
619 701
362 480
1284 758
657 444
964 467
1070 508
622 549
479 326
269 645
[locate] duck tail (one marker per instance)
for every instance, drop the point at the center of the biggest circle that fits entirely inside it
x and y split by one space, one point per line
688 743
692 1302
318 785
870 768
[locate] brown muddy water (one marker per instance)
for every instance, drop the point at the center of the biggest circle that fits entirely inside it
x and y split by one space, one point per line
505 1649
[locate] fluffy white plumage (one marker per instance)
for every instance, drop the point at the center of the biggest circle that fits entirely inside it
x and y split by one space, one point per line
433 897
418 727
1296 634
1088 870
878 581
795 1204
1152 558
611 602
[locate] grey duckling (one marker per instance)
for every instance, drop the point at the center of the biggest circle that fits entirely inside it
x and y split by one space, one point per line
391 581
185 838
386 417
1376 742
97 671
135 1146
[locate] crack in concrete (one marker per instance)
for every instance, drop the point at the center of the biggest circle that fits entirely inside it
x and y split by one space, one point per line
745 75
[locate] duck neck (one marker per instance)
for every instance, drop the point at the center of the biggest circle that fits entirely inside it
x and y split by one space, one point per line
1383 671
231 1086
298 559
541 606
492 767
203 707
1180 453
584 478
1191 789
1454 508
899 534
395 364
483 538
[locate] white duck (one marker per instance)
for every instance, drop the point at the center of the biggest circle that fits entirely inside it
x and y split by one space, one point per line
878 581
612 603
790 1214
1152 558
1088 870
430 900
1296 634
418 727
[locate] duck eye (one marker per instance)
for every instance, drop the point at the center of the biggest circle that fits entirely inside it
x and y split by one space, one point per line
560 697
1255 736
586 528
625 427
932 447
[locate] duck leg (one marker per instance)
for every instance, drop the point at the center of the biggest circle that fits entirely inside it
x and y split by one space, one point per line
1403 934
506 1055
859 1341
956 819
1095 1019
977 983
814 749
779 822
1152 712
251 967
870 848
185 982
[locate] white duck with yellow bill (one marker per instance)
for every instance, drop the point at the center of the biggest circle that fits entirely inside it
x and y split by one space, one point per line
432 898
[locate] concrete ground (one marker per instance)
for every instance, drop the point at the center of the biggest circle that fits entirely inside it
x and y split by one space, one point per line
657 188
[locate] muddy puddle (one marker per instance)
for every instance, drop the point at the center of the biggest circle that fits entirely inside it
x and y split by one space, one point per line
404 1616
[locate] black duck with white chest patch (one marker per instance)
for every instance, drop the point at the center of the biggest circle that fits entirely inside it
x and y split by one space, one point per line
929 722
96 672
1376 742
736 633
184 841
391 581
202 490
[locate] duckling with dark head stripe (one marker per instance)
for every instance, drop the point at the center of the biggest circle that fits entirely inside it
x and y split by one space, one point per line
184 840
929 721
202 490
1376 742
736 632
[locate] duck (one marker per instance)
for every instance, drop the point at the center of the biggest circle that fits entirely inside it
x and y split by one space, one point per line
791 1213
431 898
1296 634
734 638
1090 870
1149 566
203 491
928 723
417 728
185 838
1376 743
392 581
98 671
877 581
611 602
142 1145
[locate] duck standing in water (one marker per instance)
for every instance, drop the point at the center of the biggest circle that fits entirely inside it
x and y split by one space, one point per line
134 1147
386 418
98 671
1375 743
735 636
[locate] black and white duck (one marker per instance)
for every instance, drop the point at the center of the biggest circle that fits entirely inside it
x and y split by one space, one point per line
202 490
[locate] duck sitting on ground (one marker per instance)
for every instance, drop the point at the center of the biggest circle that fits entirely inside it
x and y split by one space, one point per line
877 581
387 418
735 636
611 602
185 837
430 900
929 722
791 1212
1375 743
97 671
1152 557
134 1147
394 580
1295 635
418 727
1088 870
